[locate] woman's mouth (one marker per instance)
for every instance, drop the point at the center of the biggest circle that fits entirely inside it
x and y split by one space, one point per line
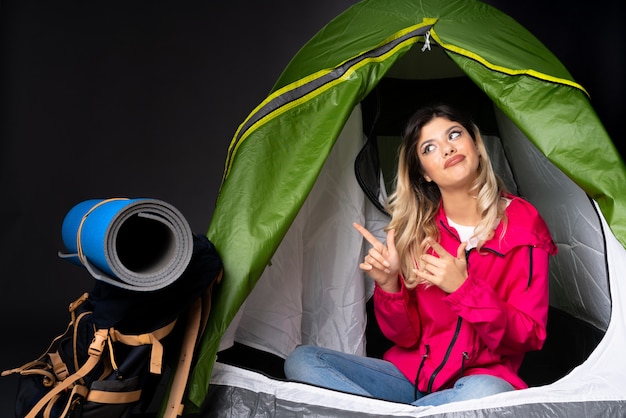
453 161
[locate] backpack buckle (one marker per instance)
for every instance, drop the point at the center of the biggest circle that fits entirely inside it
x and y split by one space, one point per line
97 344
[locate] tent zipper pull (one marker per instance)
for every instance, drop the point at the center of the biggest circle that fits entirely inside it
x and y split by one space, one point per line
426 42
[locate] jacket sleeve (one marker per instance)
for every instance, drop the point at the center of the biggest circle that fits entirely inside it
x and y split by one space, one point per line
397 316
513 320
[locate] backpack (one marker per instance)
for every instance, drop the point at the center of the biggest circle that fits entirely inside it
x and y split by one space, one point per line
110 360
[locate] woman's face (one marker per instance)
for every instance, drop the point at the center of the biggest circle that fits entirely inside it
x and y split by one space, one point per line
448 154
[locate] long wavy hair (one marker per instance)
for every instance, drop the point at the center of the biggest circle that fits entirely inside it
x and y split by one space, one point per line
415 201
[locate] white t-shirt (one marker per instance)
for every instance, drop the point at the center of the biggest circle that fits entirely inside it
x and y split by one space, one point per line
466 234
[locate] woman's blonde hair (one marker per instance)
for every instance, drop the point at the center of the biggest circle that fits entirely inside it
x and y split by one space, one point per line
415 201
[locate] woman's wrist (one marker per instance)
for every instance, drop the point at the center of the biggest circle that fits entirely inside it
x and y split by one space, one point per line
391 284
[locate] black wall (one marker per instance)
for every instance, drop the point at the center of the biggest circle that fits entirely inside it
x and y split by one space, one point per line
101 99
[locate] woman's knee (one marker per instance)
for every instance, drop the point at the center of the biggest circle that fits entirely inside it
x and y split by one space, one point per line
300 359
483 385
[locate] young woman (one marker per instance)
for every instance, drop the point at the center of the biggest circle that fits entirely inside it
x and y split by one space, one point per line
461 281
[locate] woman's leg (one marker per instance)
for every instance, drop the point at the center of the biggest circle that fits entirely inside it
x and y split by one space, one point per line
468 387
348 373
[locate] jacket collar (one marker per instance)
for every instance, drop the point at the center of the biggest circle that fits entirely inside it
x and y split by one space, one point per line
524 226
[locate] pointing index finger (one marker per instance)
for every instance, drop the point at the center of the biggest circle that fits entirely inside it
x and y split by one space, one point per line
367 235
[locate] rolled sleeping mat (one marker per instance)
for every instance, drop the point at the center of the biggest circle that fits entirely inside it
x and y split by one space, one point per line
136 244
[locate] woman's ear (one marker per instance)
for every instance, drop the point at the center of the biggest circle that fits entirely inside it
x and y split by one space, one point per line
427 178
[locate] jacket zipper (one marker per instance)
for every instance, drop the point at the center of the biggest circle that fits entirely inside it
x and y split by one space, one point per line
530 274
465 357
445 358
419 370
457 238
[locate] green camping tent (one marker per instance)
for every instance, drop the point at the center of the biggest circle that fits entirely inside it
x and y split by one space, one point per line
280 149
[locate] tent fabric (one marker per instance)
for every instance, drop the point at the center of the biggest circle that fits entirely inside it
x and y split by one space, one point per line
238 392
336 319
280 150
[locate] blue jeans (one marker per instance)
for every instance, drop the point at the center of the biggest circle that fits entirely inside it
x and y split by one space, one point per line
378 378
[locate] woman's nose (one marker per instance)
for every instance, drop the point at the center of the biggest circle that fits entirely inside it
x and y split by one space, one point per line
448 150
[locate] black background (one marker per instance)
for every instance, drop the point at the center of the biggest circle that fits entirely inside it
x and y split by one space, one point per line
141 99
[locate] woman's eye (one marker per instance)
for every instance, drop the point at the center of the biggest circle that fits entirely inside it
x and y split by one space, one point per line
428 148
455 134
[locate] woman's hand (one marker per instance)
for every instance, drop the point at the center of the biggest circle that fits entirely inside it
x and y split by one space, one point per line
382 262
446 272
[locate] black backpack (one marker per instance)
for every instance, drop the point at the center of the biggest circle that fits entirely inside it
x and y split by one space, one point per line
109 361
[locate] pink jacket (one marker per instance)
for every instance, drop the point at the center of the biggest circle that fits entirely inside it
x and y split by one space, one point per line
489 323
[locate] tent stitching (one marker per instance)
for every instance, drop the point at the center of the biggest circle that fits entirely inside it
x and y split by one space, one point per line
306 88
505 70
